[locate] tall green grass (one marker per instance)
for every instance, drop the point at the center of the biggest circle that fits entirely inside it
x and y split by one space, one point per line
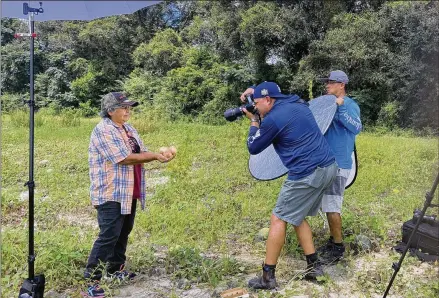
210 202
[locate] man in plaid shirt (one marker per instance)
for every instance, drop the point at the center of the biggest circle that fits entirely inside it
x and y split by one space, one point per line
116 157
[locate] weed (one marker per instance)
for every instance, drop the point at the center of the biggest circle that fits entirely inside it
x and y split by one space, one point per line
189 263
209 196
70 118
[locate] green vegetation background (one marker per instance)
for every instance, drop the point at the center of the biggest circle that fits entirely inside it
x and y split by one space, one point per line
191 59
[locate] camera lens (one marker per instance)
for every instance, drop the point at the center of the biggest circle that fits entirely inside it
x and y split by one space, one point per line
233 114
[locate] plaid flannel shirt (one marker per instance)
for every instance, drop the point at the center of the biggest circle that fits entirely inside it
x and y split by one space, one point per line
111 181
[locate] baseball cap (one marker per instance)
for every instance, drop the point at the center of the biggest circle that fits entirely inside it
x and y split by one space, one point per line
337 76
270 89
116 99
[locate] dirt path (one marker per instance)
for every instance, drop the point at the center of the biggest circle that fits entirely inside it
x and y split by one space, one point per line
350 279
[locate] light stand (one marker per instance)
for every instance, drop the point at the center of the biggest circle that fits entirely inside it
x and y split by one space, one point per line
428 199
33 286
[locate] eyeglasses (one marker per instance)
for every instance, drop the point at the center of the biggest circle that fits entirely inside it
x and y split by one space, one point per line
126 108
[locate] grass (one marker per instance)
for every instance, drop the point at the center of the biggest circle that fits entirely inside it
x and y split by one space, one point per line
209 204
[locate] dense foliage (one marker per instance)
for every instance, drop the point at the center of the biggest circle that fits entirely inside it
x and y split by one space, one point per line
192 59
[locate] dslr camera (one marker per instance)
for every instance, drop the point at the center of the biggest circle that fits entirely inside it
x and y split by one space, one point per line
234 113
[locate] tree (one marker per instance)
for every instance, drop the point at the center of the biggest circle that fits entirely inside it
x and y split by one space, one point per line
161 54
9 27
216 25
16 66
261 29
50 85
355 44
412 33
203 87
90 87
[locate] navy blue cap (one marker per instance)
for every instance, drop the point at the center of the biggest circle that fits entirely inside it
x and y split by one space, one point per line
270 89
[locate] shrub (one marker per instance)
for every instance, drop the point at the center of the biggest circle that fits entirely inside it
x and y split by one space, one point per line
389 115
70 117
86 109
10 102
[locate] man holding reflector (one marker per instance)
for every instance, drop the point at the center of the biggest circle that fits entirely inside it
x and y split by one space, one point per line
289 125
341 138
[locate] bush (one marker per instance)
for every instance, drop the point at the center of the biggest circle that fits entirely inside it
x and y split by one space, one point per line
142 86
185 91
86 109
70 117
161 54
213 111
147 119
10 102
88 87
389 115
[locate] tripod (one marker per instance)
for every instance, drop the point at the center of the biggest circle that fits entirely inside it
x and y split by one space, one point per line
427 203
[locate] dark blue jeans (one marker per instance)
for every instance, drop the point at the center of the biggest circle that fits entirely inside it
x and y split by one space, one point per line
110 247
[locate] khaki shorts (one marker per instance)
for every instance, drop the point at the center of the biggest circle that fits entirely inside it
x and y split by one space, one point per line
301 198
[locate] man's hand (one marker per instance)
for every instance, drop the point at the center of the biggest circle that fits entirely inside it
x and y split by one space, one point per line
254 118
339 101
162 158
246 92
249 115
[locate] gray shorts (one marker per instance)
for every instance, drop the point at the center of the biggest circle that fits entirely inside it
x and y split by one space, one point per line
300 198
333 197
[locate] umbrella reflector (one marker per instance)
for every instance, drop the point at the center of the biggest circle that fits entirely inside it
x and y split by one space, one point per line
72 10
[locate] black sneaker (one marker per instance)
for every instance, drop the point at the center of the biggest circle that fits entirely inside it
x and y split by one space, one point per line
333 255
326 247
93 274
314 270
122 274
266 282
94 290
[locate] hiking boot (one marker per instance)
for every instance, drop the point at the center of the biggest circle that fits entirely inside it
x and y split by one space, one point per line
94 290
333 255
314 270
122 274
266 281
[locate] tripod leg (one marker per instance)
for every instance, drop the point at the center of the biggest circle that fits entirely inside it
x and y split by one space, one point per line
397 266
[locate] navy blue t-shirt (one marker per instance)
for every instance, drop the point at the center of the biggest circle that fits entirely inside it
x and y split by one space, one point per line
291 128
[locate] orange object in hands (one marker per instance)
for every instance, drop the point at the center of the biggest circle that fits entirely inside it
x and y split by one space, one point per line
173 150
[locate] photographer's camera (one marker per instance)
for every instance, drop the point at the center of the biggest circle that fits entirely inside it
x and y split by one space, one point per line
234 113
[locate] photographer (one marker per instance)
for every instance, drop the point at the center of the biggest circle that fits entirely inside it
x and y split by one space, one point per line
341 138
116 157
289 125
